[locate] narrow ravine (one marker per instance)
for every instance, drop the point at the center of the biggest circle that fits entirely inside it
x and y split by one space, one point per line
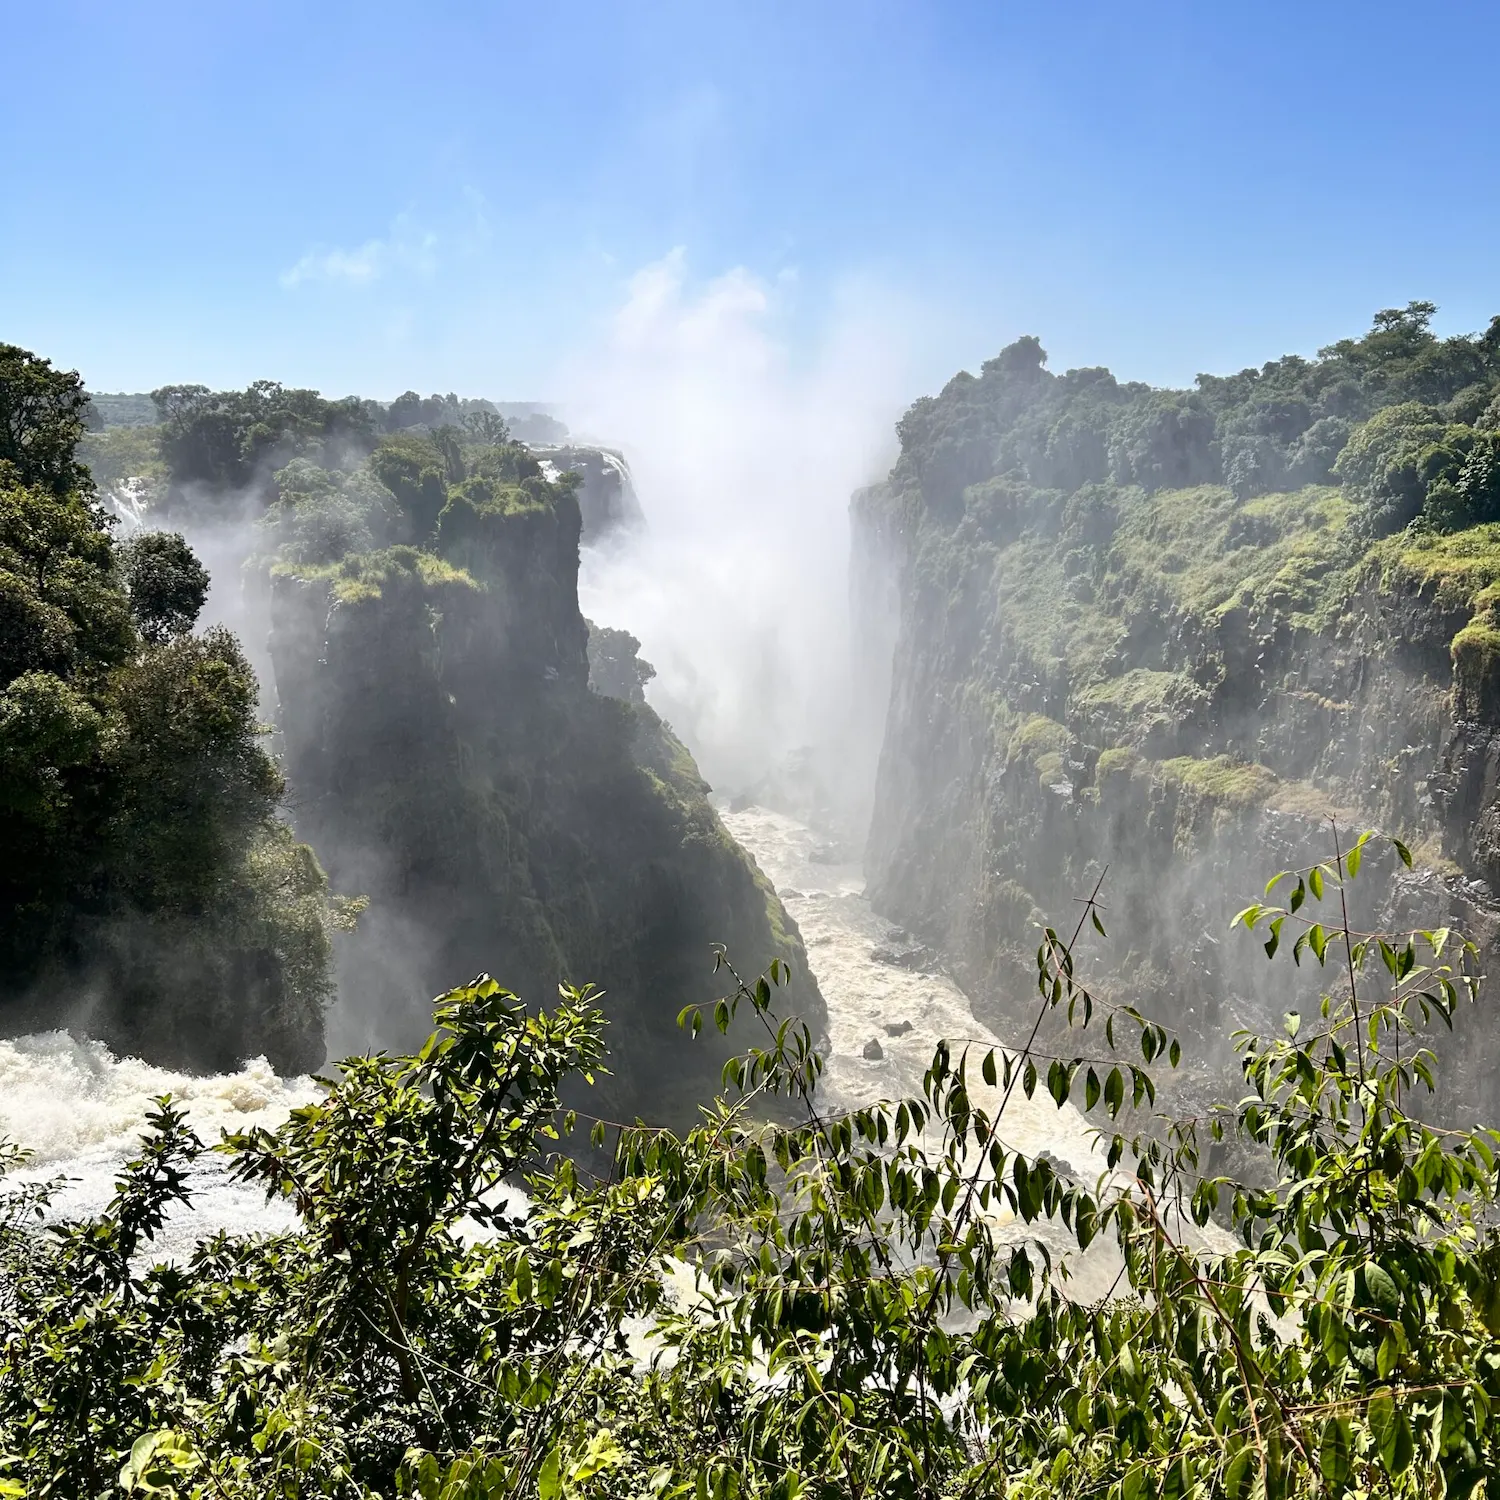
905 1014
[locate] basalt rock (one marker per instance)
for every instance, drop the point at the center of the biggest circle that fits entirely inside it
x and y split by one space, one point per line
449 759
1205 713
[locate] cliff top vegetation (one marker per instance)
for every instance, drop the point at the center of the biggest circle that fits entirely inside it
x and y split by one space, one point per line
1138 564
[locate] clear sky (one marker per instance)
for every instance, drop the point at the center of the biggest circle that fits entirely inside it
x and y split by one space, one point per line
457 196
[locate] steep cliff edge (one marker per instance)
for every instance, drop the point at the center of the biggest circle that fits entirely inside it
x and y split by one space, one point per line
1122 646
449 758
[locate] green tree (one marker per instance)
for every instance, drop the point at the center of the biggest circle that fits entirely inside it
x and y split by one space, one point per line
222 444
416 474
615 666
43 414
1389 462
487 427
137 808
166 582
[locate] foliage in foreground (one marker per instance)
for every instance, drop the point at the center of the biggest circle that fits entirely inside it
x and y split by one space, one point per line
860 1305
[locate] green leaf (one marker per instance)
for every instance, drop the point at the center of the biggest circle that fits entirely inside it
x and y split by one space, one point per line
1240 1473
1382 1289
1274 941
1403 851
1058 1083
1114 1091
988 1068
1315 882
1333 1451
1382 1418
549 1479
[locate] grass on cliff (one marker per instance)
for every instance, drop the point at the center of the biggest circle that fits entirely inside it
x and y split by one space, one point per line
365 575
1202 551
1233 785
1457 566
1192 552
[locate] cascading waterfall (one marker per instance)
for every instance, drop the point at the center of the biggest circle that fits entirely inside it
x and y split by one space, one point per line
80 1111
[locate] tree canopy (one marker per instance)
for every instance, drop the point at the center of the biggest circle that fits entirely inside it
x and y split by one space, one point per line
1279 427
139 847
43 414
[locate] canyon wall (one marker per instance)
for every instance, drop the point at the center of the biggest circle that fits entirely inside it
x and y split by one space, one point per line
1174 688
448 758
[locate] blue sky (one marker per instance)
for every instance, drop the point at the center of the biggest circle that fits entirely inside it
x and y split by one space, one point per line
456 196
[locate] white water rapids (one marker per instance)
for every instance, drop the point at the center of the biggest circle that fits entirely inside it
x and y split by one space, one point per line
81 1111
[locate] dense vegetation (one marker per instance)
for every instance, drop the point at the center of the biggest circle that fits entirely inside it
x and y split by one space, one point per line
1406 419
1156 628
145 879
860 1305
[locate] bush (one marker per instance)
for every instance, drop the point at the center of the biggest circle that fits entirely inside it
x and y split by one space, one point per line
866 1303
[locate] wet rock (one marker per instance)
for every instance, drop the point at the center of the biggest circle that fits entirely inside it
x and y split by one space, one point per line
740 801
898 1028
827 854
873 1051
1064 1169
916 957
791 895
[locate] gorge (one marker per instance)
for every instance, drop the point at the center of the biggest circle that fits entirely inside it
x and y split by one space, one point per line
1105 631
1131 649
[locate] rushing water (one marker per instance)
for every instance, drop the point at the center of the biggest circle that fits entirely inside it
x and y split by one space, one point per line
81 1110
906 1014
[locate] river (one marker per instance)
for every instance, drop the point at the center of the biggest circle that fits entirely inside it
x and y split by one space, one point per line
81 1111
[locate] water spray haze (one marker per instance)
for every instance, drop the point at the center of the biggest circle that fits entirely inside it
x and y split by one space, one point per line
744 451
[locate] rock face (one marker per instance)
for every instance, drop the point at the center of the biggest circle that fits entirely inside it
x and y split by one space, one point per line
606 496
1178 687
450 760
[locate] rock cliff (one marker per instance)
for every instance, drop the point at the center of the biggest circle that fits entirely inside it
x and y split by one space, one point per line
1178 683
448 758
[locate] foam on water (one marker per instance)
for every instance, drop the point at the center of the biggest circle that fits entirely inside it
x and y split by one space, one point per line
908 1014
81 1111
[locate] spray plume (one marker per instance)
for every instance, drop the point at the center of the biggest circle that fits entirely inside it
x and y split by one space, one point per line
744 454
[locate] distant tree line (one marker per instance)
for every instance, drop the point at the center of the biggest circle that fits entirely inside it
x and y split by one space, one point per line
1407 421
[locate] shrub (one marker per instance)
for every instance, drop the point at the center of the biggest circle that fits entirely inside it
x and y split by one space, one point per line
871 1302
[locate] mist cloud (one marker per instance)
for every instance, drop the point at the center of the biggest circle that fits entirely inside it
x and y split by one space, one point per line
744 449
